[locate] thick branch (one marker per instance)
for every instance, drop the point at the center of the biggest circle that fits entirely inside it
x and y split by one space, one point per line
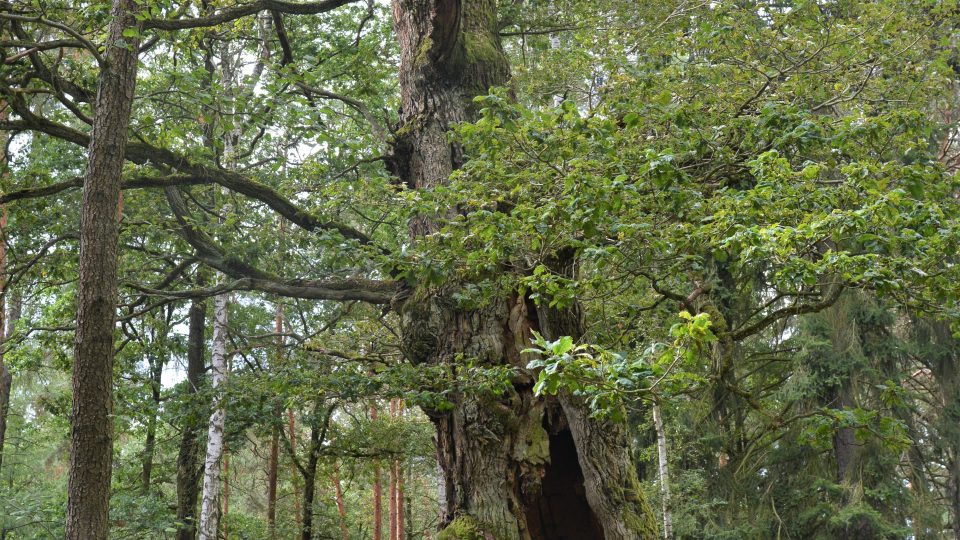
133 183
211 254
236 12
143 153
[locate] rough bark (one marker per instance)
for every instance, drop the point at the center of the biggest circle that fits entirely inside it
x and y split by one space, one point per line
209 507
91 440
188 455
514 466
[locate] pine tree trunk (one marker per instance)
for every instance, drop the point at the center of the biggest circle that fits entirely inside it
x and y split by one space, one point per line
91 439
514 467
188 455
209 506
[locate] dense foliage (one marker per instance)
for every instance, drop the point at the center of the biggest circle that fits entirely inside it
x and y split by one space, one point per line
760 200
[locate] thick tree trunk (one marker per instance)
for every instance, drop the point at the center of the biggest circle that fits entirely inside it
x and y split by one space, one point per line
513 467
209 506
188 456
91 440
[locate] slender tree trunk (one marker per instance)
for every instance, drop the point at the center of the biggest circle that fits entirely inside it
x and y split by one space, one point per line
6 378
275 438
341 506
272 485
209 520
944 360
377 491
393 511
515 466
401 513
664 470
14 308
392 501
397 524
292 436
91 440
149 445
209 507
188 456
318 430
226 489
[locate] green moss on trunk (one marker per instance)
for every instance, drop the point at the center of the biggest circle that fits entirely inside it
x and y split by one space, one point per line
462 528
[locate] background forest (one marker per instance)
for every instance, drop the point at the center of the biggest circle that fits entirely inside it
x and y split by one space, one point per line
703 250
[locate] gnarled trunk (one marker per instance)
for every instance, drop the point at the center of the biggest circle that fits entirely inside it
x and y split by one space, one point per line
513 466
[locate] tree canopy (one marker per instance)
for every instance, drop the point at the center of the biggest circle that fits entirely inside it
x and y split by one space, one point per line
531 270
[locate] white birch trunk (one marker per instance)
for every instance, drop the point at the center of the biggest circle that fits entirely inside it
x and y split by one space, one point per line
664 471
210 505
210 501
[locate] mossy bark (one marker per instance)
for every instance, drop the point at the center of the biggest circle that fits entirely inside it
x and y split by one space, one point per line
514 466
